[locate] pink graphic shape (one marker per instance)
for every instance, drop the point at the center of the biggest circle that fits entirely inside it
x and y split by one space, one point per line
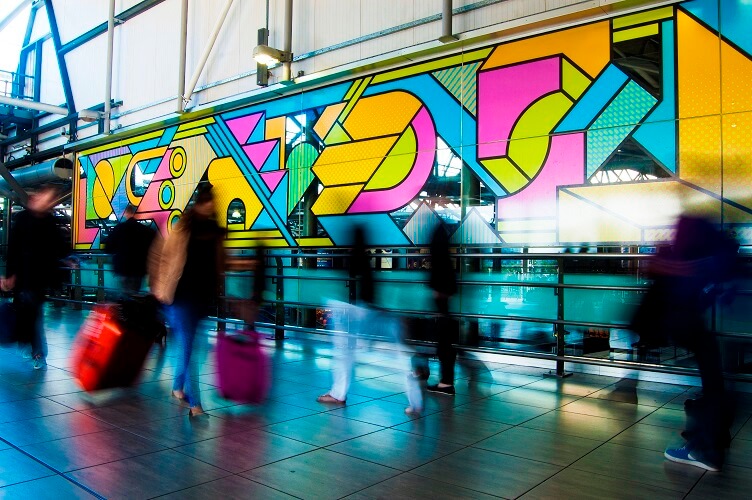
408 189
85 234
163 170
259 152
160 219
503 94
242 127
564 166
272 179
150 200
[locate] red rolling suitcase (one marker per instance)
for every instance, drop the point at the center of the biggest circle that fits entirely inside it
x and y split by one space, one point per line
243 373
105 354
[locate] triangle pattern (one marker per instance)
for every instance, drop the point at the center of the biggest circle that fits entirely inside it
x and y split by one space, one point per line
263 222
272 179
280 196
163 171
272 162
259 152
461 82
336 135
474 231
421 225
242 127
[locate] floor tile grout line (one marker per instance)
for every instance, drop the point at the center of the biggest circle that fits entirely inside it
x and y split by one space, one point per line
53 469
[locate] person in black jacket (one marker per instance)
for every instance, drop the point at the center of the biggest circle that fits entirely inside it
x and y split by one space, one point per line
443 282
129 245
36 248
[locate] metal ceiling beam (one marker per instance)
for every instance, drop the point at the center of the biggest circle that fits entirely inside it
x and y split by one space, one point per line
18 191
102 28
67 90
10 17
37 106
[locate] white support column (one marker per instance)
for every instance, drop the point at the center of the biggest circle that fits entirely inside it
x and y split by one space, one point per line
108 74
207 51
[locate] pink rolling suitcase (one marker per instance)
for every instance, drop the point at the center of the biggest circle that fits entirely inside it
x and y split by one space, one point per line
244 370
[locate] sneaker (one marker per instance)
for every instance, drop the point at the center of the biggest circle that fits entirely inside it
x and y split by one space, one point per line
40 363
683 455
25 352
448 390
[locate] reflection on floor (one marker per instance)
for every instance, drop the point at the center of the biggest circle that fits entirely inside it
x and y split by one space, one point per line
508 432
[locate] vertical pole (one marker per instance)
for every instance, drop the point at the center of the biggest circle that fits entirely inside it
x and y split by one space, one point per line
560 331
181 60
287 65
108 74
446 18
279 314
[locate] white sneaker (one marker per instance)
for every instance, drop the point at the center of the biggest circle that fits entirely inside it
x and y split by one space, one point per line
40 363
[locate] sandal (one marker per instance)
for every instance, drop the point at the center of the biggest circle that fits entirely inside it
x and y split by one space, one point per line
178 395
413 412
327 398
196 411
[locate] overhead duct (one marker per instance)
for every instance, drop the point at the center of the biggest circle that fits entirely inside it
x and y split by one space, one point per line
52 171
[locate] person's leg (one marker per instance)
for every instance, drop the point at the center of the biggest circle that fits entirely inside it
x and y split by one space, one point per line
38 338
445 351
183 322
343 356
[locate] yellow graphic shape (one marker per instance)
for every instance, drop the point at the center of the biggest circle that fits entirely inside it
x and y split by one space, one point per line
250 235
314 242
337 135
189 133
737 152
353 87
736 79
198 155
643 17
396 167
574 82
506 173
638 32
383 114
104 187
427 67
229 184
588 46
530 136
196 124
276 129
336 200
123 142
699 69
700 152
353 162
145 155
580 221
355 97
613 212
327 119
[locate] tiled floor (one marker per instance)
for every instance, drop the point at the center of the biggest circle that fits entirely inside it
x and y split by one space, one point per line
509 432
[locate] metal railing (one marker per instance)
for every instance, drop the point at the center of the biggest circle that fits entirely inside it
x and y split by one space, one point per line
557 295
13 84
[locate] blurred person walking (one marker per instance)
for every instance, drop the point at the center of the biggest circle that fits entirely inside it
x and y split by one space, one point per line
443 282
702 258
191 264
36 247
350 318
129 244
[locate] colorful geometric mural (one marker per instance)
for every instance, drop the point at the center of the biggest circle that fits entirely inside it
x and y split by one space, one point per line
574 136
